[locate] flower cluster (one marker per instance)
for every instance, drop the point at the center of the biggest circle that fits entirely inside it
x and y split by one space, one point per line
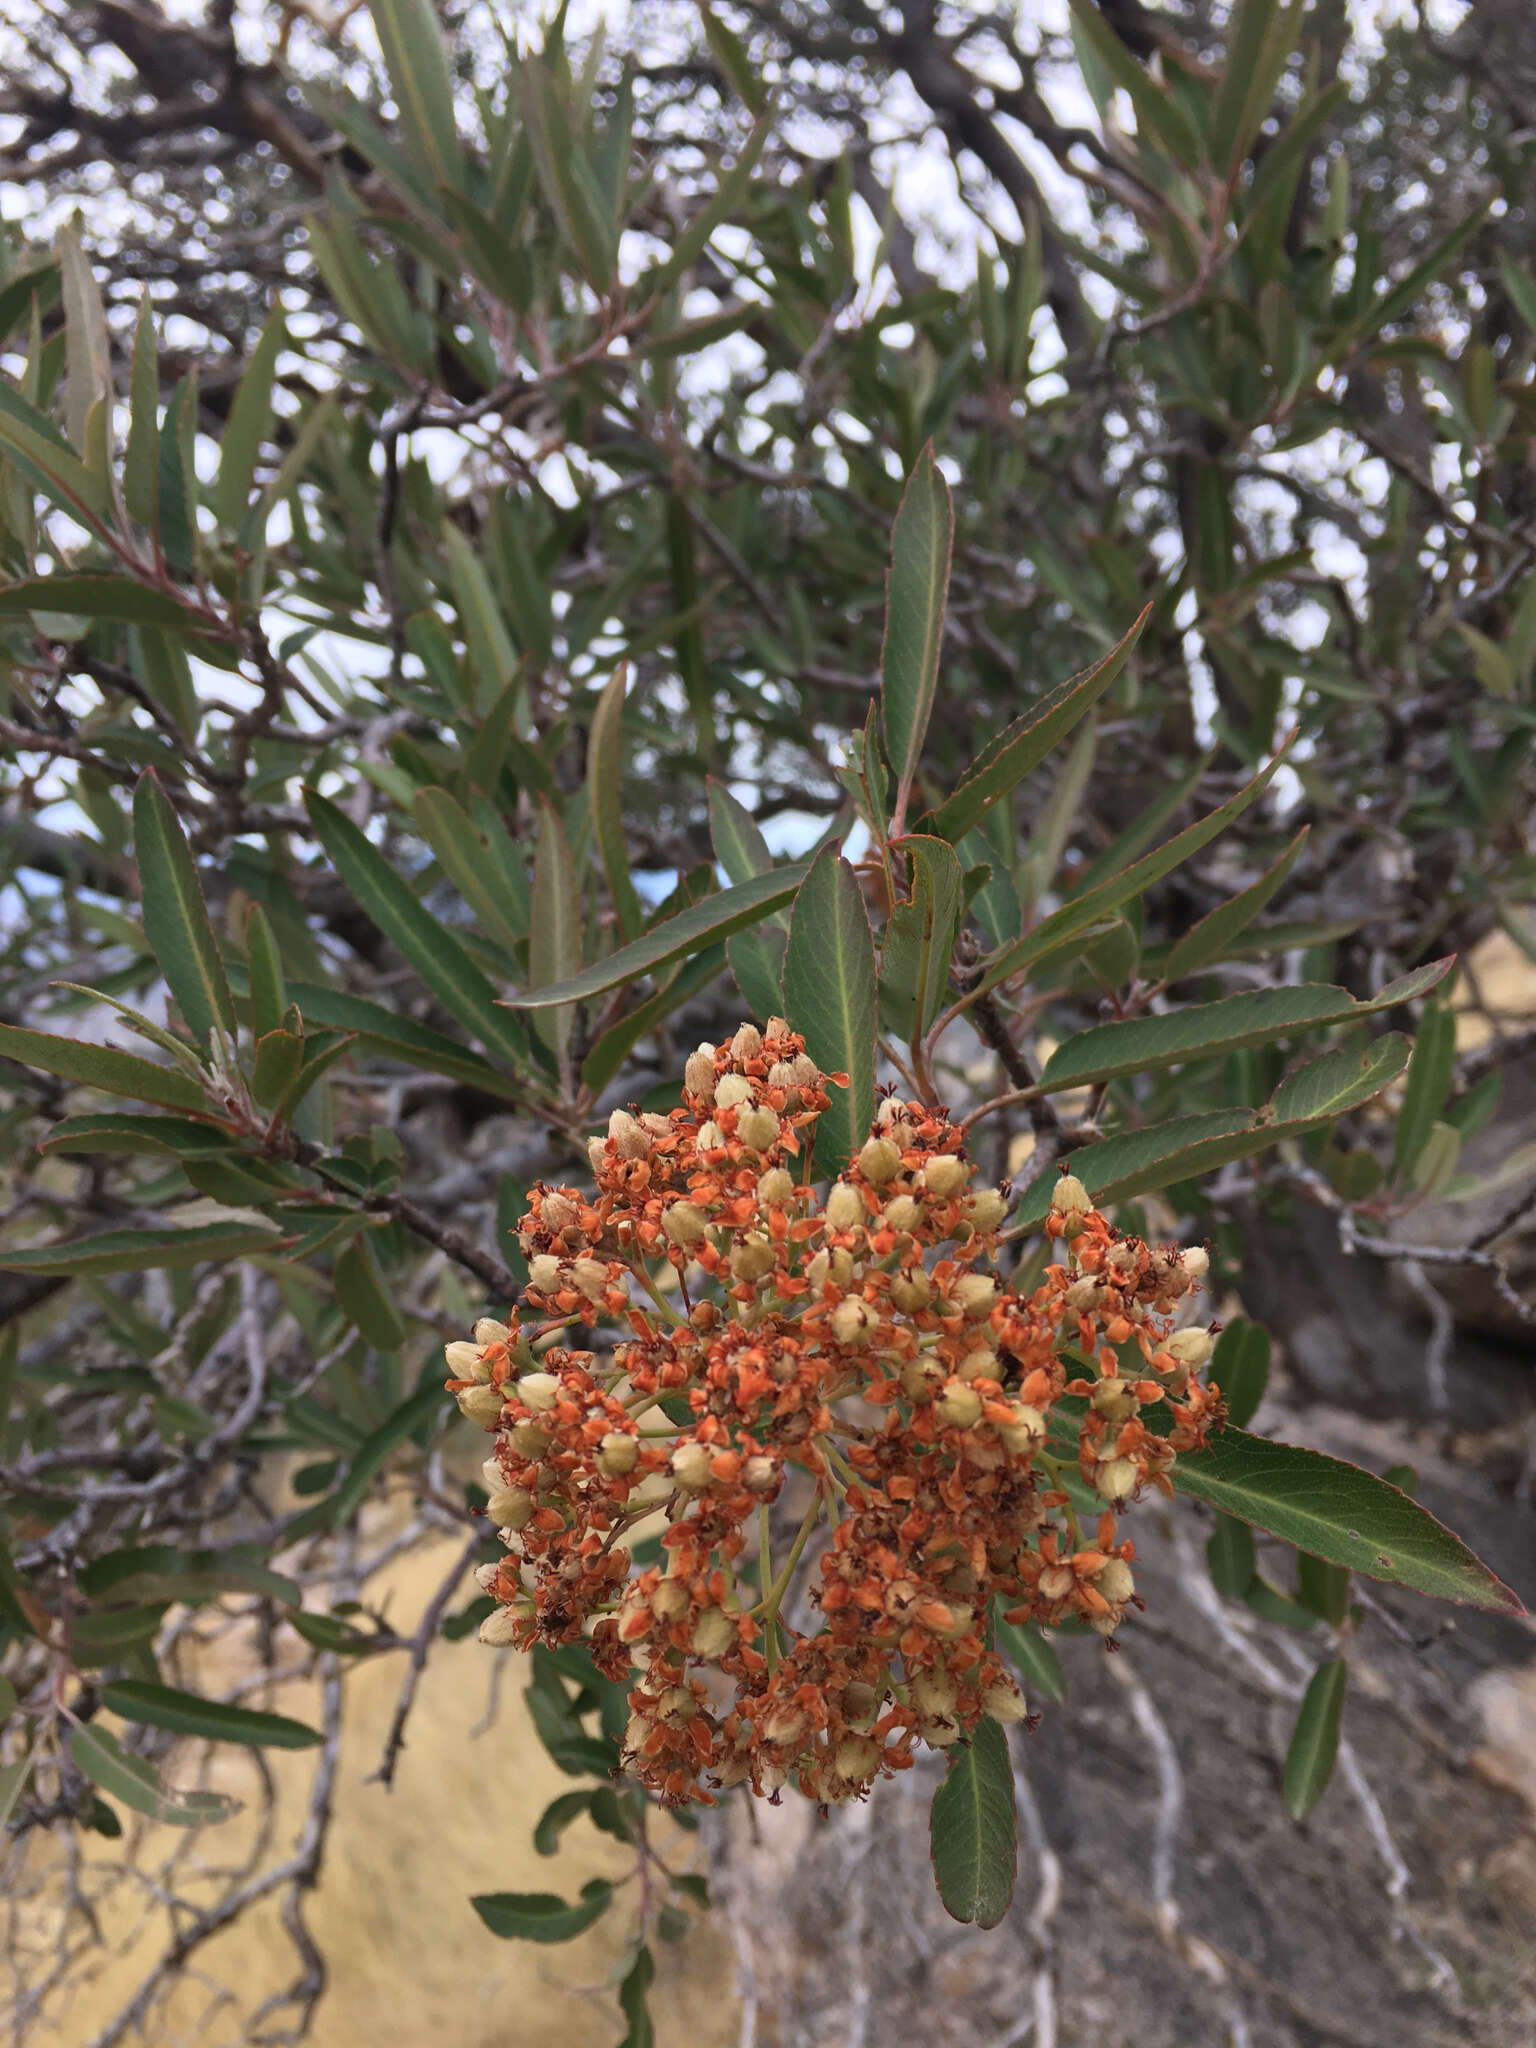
947 1434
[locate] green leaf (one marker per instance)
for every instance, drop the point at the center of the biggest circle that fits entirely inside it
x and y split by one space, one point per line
1314 1746
1240 1368
829 995
249 418
427 1404
699 925
105 1635
137 1784
467 861
13 1781
1207 940
1260 40
1004 763
557 1817
636 1982
112 1131
724 204
401 1037
1339 1081
1339 1513
176 480
1085 909
566 175
416 57
973 1830
757 962
436 955
605 781
363 1295
42 453
101 1066
542 1916
88 373
183 1713
1428 1082
554 935
141 463
160 1571
1323 1588
739 845
915 592
1157 112
1230 1557
142 1251
96 597
1138 1045
264 964
176 917
1032 1657
919 938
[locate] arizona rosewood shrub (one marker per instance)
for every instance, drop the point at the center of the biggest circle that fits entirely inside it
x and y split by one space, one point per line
864 1340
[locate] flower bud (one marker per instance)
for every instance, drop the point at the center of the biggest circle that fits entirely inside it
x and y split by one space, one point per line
1196 1262
703 1316
538 1390
590 1277
489 1331
776 1187
902 1213
985 1209
1117 1479
845 1206
1084 1295
921 1378
757 1126
860 1701
1189 1347
464 1361
753 1259
690 1467
1003 1702
510 1507
851 1322
544 1273
711 1138
714 1635
879 1161
492 1475
732 1090
974 1293
944 1176
747 1043
617 1455
528 1440
760 1475
482 1405
485 1575
933 1694
1025 1431
979 1364
836 1266
911 1292
558 1212
1115 1400
1116 1581
699 1073
856 1758
499 1630
671 1600
597 1156
1069 1197
958 1405
684 1224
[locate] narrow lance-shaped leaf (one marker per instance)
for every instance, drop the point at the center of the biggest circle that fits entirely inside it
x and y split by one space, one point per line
604 778
554 937
176 917
916 588
184 1713
829 995
470 864
141 464
973 1828
101 1066
249 418
137 1784
542 1916
269 993
144 1251
1314 1746
919 938
416 57
96 597
736 835
1205 941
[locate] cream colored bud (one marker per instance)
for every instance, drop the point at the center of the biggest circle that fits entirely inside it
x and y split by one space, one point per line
1069 1197
776 1187
958 1405
1084 1295
856 1758
985 1209
690 1467
699 1073
1116 1581
1115 1400
933 1693
544 1273
464 1360
945 1176
1196 1262
627 1135
528 1440
758 1127
489 1331
492 1474
732 1090
760 1475
538 1390
510 1507
671 1600
677 1705
684 1223
980 1364
911 1292
559 1212
482 1405
921 1378
1189 1347
902 1213
711 1137
658 1125
590 1277
851 1322
485 1575
499 1630
617 1455
747 1043
1117 1479
845 1206
753 1259
805 1070
879 1161
1025 1431
836 1266
782 1075
714 1635
974 1294
1004 1702
860 1701
597 1156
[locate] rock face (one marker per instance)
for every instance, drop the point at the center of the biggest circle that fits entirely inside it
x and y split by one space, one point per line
1163 1895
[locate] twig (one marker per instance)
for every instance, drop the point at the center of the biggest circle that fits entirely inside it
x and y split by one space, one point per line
421 1644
